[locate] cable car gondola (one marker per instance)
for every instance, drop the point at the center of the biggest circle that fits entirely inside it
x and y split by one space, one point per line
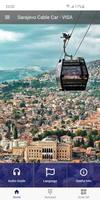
72 74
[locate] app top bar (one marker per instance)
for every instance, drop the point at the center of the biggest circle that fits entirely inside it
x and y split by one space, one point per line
49 17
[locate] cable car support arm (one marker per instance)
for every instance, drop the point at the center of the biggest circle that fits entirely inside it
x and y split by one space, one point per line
66 38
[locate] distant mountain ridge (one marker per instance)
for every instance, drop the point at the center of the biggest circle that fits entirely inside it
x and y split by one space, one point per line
22 73
94 70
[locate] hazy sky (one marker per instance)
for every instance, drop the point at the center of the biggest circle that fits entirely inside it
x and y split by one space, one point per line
41 46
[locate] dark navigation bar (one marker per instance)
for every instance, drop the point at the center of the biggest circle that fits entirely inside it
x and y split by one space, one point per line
50 175
49 17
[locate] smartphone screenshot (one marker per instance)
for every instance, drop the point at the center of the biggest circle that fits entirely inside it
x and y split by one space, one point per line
50 100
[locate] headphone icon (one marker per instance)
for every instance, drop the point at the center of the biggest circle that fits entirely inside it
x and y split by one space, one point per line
16 172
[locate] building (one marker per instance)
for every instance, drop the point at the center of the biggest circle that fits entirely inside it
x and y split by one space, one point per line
48 151
66 139
97 145
78 152
64 151
91 151
92 121
18 151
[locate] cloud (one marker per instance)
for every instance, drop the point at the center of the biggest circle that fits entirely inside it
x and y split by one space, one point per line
9 36
46 42
41 45
51 28
35 68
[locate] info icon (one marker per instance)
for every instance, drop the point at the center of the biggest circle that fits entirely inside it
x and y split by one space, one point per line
83 172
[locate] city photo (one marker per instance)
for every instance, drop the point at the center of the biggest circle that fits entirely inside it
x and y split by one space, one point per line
49 93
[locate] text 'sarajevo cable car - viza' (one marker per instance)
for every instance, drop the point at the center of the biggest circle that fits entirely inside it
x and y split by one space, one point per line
72 74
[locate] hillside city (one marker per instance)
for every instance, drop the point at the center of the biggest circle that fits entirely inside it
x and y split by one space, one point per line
39 123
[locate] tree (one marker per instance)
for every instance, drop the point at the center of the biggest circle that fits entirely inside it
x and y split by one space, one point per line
17 114
77 143
82 141
15 131
35 101
8 124
0 137
81 132
22 104
94 132
62 122
75 118
90 141
34 131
